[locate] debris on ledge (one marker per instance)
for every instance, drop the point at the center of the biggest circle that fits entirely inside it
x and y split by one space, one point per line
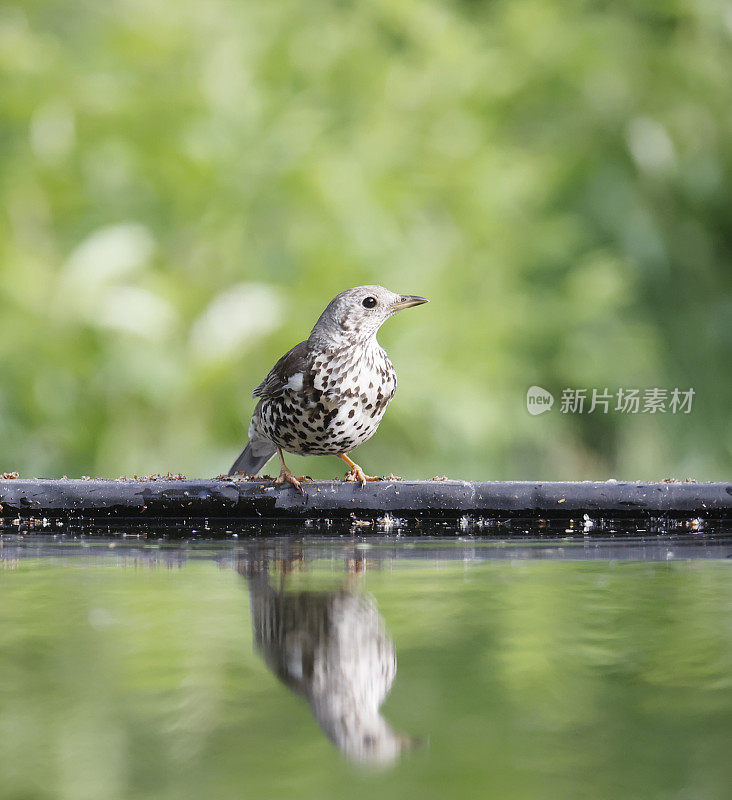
178 496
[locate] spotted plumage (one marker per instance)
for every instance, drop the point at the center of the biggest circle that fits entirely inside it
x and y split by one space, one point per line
332 649
329 393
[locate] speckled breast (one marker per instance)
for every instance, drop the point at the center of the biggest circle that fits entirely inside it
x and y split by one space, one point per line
339 406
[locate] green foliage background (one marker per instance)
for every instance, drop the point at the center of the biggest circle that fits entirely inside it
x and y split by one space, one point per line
185 184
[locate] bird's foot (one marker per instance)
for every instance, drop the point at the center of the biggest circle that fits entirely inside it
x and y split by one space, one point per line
286 476
357 474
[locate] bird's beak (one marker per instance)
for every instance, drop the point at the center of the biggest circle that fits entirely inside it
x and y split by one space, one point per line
409 300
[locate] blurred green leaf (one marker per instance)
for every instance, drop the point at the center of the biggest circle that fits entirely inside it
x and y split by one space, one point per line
554 176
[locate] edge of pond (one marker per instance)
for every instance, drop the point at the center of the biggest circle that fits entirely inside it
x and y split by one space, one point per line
260 499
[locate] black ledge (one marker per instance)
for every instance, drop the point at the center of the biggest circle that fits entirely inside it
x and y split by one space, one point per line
257 499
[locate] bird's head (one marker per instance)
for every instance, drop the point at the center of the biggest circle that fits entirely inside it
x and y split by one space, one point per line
354 316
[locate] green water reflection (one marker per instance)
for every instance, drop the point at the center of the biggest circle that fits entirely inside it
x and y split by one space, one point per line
528 679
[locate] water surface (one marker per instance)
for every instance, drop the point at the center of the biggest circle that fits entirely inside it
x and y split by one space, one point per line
508 667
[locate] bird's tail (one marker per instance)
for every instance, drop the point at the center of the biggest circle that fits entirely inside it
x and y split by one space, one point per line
253 457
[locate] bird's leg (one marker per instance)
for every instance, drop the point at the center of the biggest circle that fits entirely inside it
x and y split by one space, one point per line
355 473
285 475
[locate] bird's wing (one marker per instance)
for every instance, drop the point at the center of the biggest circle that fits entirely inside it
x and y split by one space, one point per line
289 372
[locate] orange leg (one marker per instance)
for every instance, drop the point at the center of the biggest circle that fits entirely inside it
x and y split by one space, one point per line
286 476
355 473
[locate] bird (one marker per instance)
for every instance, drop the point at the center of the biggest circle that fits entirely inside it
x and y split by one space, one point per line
332 648
328 394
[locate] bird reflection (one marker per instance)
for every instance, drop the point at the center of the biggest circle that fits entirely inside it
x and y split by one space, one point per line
330 647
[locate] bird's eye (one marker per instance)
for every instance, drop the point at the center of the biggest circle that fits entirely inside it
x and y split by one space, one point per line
369 302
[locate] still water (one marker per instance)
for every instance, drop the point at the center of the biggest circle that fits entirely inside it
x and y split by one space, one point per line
311 666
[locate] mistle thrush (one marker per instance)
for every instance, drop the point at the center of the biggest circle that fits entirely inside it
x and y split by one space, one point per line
329 393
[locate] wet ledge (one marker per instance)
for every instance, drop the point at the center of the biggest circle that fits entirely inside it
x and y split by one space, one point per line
95 499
